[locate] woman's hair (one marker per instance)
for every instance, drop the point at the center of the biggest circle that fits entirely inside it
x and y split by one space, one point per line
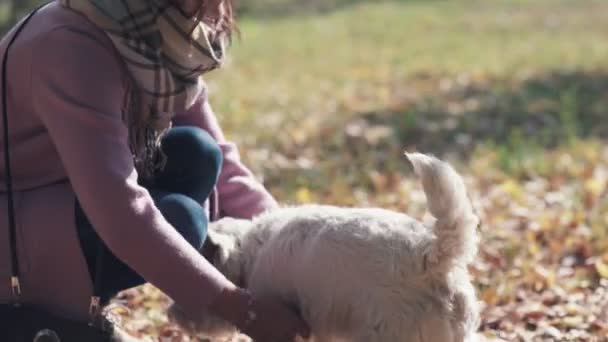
219 14
225 21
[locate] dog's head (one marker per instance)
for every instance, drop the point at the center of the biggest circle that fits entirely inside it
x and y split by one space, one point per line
223 246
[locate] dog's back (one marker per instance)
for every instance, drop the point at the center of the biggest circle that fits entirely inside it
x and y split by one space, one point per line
363 271
341 267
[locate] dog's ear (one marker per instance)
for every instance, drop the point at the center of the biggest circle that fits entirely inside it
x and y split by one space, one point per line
210 249
218 246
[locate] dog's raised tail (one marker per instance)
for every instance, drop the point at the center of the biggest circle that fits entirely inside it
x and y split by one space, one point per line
456 225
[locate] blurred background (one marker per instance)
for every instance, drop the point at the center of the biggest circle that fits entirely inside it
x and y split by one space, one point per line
323 97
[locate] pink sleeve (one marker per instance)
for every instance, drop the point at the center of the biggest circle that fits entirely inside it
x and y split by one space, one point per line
79 92
240 194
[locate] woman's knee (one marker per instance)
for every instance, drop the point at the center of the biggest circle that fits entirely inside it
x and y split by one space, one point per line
195 147
194 161
186 215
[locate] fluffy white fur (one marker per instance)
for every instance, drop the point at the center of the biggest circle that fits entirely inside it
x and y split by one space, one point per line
360 275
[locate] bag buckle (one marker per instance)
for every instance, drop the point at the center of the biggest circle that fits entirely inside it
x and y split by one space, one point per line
16 287
94 309
47 335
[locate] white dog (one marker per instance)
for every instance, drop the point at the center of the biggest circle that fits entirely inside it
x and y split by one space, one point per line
363 275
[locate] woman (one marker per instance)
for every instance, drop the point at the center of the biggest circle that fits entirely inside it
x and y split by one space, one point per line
113 143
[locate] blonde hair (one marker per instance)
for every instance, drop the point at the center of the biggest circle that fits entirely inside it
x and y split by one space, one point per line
225 21
218 14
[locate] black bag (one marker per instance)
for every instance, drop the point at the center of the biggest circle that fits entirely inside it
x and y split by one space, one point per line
24 322
27 323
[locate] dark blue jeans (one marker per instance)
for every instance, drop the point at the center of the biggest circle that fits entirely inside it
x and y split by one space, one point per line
193 164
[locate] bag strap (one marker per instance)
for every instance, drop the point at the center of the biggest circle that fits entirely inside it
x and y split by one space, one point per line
15 284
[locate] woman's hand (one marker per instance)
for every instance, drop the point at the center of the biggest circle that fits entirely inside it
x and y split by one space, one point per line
274 321
262 319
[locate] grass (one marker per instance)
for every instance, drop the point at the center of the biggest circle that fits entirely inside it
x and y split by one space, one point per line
455 72
4 12
367 50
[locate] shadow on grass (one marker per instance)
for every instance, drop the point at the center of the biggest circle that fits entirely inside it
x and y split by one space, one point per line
280 8
452 118
542 110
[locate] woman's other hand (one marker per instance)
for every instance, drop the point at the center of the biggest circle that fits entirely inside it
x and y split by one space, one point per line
262 319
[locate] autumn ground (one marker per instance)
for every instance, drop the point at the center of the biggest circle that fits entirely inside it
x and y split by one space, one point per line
513 92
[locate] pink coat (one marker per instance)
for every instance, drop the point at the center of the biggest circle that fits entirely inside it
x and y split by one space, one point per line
66 91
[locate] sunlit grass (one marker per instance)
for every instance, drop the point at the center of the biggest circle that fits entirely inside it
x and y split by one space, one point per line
357 58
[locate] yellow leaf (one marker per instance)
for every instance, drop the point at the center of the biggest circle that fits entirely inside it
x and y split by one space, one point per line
601 268
595 186
512 188
490 296
303 195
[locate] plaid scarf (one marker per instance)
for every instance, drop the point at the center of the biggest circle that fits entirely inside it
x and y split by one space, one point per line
165 52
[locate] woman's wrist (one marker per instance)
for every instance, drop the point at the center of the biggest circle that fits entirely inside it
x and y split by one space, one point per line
235 305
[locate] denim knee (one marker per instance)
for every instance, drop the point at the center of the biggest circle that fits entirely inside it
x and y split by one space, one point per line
194 161
186 215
